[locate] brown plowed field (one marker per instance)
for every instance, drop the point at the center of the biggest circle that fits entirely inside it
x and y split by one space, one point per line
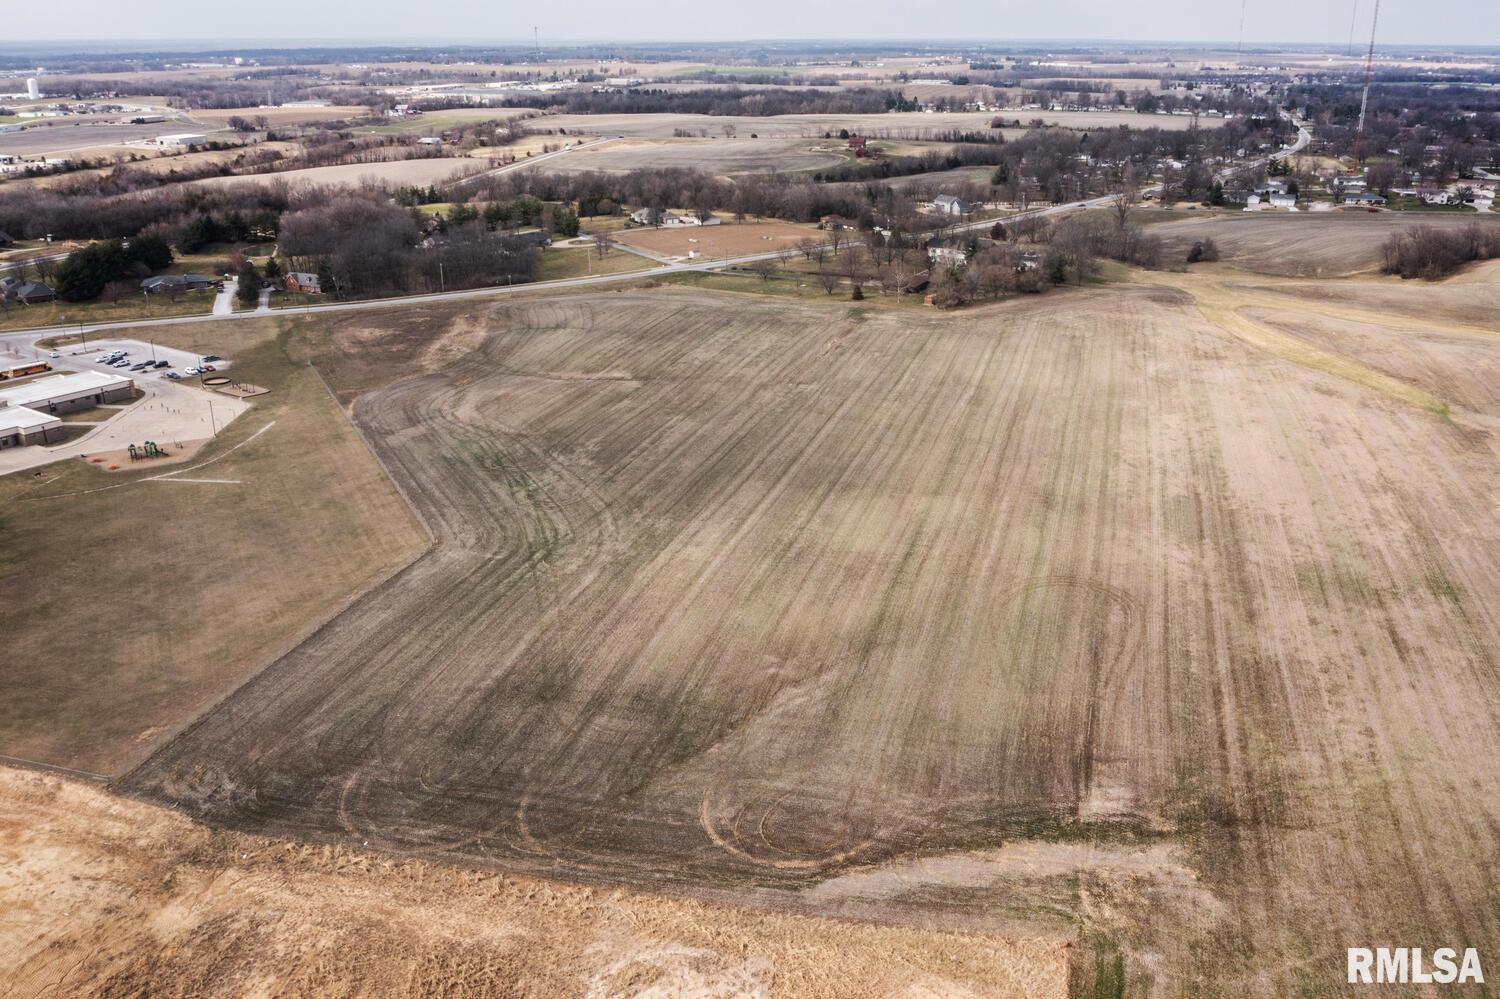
1324 244
1126 611
726 240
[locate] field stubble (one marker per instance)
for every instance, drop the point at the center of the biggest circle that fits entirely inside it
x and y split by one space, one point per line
837 611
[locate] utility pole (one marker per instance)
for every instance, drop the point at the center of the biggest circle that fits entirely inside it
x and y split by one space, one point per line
1364 101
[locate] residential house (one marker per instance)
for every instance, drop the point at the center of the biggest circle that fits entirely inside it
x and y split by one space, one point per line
303 281
534 237
649 216
1280 199
162 283
948 250
33 293
947 204
8 286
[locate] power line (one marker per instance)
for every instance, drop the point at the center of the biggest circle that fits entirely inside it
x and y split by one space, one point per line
1353 16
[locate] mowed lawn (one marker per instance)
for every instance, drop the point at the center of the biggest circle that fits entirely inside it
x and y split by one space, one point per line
1114 611
130 609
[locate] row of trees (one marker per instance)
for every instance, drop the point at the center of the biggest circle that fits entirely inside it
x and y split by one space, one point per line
1430 253
364 247
721 101
84 273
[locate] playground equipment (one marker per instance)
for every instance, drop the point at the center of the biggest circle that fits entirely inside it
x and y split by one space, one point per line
146 450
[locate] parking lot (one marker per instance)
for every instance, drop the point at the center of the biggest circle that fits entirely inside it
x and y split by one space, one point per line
180 362
169 409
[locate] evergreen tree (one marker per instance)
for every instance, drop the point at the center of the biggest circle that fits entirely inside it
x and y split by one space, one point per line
250 284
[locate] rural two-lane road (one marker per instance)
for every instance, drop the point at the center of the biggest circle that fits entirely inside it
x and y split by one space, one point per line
22 338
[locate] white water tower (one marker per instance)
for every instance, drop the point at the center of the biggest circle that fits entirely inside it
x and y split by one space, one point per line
32 90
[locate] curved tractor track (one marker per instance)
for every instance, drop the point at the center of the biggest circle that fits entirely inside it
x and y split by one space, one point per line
790 603
578 675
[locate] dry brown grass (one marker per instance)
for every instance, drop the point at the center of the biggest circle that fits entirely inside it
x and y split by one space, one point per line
175 593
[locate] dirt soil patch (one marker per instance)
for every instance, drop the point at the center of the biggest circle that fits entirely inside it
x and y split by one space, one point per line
728 239
104 897
178 452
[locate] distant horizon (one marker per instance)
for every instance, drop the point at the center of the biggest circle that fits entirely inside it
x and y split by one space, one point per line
1403 23
283 44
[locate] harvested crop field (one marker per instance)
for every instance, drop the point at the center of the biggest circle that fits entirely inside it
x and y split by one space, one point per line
71 137
1326 244
722 157
282 115
896 124
728 239
427 170
1124 613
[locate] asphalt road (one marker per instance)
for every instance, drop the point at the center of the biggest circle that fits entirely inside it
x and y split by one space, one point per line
25 337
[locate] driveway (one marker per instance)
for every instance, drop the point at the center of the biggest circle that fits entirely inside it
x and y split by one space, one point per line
224 300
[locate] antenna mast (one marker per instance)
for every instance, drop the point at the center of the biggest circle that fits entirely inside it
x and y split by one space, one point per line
536 42
1239 45
1364 101
1353 18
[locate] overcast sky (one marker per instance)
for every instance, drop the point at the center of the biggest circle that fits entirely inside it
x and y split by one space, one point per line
1402 22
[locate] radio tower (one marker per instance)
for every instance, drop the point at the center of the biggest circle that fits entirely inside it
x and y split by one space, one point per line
1240 45
1364 101
1353 18
536 42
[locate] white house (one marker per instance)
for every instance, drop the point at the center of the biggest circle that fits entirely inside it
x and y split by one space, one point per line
947 204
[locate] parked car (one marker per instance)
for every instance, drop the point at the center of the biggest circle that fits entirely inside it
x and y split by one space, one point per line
213 357
163 364
121 363
172 375
54 354
208 367
192 371
140 366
